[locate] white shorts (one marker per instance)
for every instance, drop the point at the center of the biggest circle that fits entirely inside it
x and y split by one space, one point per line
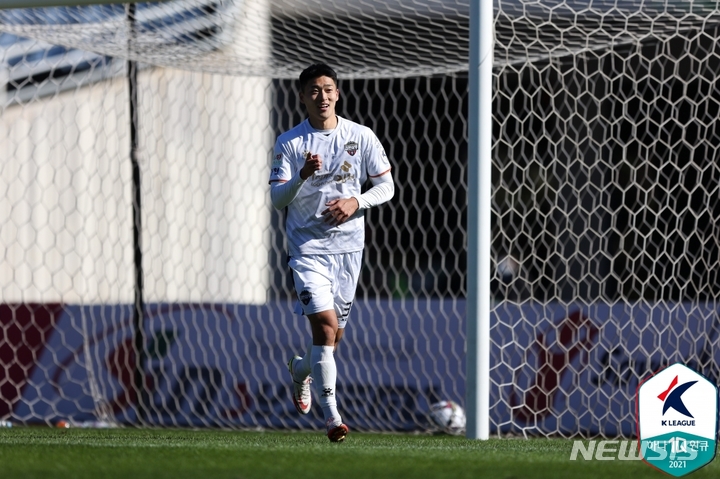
325 282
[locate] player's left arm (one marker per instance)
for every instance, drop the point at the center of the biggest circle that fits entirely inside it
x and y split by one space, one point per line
382 191
340 210
380 174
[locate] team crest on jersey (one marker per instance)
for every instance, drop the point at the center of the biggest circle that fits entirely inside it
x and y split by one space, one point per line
351 147
305 297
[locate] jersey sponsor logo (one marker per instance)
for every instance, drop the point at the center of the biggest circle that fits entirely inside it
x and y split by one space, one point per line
346 178
351 148
277 161
305 296
321 180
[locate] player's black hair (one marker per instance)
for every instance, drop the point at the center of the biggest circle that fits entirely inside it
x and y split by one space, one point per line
317 70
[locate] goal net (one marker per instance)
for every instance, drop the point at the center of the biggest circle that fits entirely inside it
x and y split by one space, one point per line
173 307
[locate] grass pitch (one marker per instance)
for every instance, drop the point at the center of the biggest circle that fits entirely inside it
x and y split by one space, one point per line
210 454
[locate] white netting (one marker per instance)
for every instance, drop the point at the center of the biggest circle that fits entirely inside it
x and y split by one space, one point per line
264 38
605 204
382 39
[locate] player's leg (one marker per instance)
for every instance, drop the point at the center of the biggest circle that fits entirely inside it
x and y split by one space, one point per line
299 366
310 280
314 294
300 373
327 327
313 281
324 371
324 327
338 337
345 269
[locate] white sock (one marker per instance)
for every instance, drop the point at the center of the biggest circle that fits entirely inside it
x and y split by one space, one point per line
301 368
324 374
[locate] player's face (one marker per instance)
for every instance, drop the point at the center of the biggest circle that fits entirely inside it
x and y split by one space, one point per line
319 97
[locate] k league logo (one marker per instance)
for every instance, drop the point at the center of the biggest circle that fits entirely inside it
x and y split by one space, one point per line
672 398
677 420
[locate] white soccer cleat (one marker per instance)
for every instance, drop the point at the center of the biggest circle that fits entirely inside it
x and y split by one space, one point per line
301 397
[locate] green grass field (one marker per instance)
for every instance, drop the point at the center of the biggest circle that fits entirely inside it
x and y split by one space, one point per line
38 452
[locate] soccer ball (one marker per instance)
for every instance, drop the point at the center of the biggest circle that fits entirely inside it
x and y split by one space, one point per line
447 417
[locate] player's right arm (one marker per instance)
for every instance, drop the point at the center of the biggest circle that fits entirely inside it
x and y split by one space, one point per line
283 191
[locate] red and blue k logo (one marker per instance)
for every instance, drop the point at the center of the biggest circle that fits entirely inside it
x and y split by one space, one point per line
673 397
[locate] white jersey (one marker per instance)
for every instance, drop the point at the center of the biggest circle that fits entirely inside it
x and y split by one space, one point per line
350 153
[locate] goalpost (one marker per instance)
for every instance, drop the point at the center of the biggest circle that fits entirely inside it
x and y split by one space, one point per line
479 219
601 226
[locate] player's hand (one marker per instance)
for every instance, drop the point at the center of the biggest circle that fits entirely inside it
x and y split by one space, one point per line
339 211
312 164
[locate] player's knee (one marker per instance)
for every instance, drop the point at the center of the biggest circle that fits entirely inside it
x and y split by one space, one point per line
322 338
324 329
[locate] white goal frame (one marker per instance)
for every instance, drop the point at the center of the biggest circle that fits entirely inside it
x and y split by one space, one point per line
479 219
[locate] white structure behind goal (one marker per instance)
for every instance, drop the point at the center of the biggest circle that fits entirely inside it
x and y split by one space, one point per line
605 206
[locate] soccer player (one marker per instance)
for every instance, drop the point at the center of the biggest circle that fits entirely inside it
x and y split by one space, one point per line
317 172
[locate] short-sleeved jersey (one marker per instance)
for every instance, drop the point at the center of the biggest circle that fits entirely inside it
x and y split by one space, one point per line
350 153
